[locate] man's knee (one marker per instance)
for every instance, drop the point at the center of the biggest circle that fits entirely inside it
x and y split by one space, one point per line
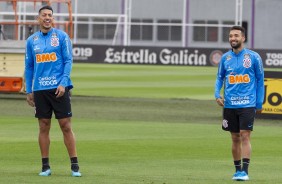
65 125
245 136
236 138
44 125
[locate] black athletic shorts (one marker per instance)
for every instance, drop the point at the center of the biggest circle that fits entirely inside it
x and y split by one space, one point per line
46 103
235 120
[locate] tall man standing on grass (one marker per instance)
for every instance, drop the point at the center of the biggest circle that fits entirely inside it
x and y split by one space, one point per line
241 72
48 65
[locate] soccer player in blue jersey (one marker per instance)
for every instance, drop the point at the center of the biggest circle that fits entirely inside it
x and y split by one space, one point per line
48 66
241 73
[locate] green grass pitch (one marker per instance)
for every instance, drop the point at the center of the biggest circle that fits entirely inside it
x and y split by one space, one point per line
136 125
144 81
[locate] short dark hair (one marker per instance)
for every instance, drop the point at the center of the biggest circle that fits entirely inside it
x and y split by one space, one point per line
240 28
45 7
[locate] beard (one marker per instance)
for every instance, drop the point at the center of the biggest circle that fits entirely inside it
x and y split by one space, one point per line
236 46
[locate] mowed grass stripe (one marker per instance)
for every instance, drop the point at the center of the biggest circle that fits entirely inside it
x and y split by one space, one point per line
147 92
143 81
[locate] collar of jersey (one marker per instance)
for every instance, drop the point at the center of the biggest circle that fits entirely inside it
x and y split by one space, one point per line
48 33
239 54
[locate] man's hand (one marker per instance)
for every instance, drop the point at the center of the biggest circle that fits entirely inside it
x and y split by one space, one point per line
220 101
60 91
30 99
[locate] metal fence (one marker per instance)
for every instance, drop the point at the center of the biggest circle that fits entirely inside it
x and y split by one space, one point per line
179 23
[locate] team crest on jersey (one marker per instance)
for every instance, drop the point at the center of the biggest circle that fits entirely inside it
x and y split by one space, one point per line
228 58
55 42
247 63
54 35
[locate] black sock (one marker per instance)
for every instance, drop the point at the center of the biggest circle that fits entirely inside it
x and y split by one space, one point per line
237 164
246 163
74 164
45 164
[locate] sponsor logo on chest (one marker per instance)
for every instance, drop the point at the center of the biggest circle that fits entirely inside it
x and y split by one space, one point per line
238 79
46 57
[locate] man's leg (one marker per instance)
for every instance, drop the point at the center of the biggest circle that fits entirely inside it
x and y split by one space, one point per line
44 143
69 140
236 146
246 148
241 148
236 153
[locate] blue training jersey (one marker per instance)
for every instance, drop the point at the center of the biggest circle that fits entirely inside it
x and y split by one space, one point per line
243 78
48 61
